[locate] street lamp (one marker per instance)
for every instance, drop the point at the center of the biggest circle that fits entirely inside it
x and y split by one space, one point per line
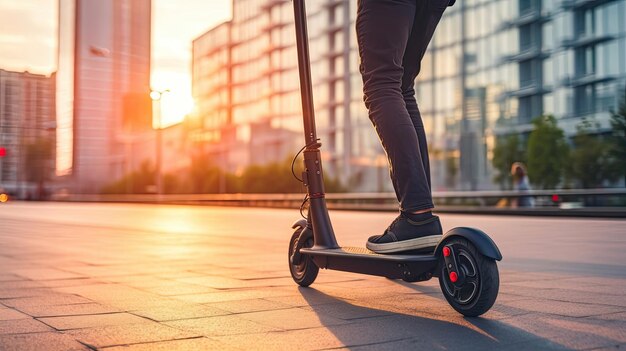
156 95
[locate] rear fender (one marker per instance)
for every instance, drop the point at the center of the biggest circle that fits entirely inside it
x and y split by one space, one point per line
482 241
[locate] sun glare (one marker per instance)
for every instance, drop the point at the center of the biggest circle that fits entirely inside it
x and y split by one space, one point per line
177 102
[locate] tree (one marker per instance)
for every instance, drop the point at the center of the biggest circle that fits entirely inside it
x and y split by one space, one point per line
548 153
591 160
618 139
507 151
136 182
204 176
277 178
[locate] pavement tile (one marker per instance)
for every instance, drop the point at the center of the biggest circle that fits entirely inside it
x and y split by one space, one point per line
563 308
619 316
67 310
91 321
138 282
603 295
9 277
231 295
417 344
374 292
181 311
404 344
532 345
120 296
375 282
251 305
22 326
502 310
252 274
218 282
294 318
50 299
429 332
59 283
45 274
610 348
39 342
346 311
179 274
221 325
7 314
414 304
178 288
588 333
507 276
128 334
504 297
303 339
269 283
574 333
135 304
302 298
12 293
174 345
102 291
596 280
20 284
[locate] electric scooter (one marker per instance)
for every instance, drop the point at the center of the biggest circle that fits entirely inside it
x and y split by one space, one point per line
464 260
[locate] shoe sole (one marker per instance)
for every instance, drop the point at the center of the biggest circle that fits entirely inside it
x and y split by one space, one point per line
405 245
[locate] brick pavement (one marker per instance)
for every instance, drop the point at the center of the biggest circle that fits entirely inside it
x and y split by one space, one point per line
87 277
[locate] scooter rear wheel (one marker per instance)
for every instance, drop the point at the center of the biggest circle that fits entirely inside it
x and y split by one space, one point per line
304 273
481 284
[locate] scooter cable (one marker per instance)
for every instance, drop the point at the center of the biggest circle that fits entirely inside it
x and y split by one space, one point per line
293 163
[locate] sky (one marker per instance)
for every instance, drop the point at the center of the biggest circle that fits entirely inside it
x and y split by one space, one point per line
28 30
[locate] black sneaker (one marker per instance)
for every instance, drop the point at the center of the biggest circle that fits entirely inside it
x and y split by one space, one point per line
404 234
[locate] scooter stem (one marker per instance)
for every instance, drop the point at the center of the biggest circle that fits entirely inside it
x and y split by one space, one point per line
318 218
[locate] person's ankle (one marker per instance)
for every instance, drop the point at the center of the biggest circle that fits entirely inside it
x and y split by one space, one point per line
418 217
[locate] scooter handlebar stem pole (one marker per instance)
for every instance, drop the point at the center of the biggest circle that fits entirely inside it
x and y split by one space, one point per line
304 62
318 213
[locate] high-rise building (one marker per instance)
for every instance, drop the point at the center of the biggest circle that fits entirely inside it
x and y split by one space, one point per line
493 66
27 138
211 88
255 75
103 87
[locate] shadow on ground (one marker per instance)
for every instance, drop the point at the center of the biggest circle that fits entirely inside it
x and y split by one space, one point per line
383 329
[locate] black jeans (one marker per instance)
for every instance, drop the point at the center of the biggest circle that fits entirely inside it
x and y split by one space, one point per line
393 36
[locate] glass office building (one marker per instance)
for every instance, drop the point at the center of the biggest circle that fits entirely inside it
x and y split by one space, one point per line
495 65
211 89
492 67
103 86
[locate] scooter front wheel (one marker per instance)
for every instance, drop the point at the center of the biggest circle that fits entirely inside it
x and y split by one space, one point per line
306 271
478 290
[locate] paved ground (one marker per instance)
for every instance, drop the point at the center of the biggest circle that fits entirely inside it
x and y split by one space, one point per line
144 277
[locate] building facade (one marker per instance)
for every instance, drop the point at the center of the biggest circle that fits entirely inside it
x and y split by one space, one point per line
103 84
27 132
254 85
493 66
211 133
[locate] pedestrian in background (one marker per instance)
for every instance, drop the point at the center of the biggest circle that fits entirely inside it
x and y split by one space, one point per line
521 184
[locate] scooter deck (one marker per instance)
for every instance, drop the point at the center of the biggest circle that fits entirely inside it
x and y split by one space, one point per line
362 260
